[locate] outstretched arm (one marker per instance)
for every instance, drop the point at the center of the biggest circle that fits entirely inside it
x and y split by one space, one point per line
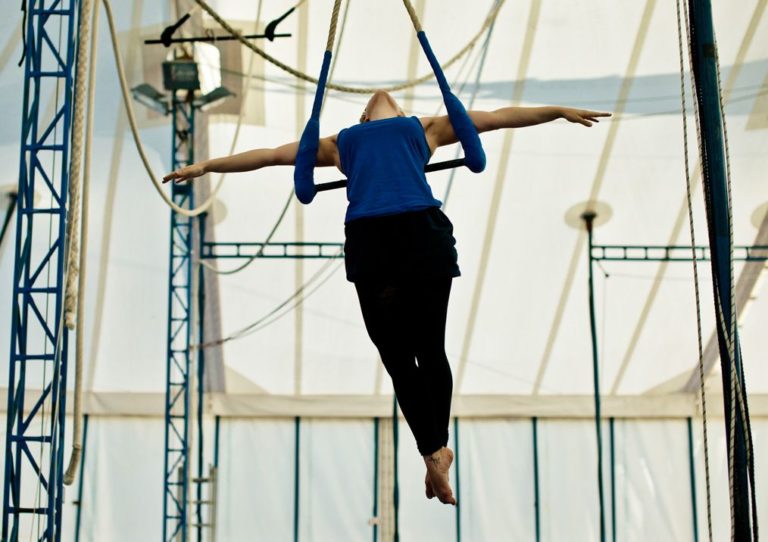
440 132
285 155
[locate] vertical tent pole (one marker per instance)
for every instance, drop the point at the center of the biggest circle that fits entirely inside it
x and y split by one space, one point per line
82 476
375 479
536 496
718 205
692 470
589 218
396 489
296 473
613 478
458 478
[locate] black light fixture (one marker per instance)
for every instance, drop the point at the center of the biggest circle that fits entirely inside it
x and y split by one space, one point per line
149 96
212 99
181 74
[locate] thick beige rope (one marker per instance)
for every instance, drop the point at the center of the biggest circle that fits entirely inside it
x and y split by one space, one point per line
332 29
412 14
77 432
345 88
73 222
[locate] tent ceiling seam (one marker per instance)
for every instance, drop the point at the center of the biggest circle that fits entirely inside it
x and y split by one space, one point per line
597 183
519 87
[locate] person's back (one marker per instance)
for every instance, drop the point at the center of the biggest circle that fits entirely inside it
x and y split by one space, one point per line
384 162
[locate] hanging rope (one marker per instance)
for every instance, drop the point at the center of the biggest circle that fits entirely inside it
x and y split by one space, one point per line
135 131
702 389
272 316
287 204
77 414
73 219
463 127
346 88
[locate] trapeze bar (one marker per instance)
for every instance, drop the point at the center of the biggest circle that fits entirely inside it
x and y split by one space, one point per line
437 166
661 253
160 41
293 250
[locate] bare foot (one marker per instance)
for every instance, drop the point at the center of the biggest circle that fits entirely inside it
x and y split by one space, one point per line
438 465
428 487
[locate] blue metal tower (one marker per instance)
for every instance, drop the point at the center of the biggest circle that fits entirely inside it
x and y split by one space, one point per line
177 396
38 357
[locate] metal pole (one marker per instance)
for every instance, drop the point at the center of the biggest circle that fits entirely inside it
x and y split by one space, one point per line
536 497
396 489
375 479
296 480
589 218
613 478
82 476
458 478
692 470
717 199
200 398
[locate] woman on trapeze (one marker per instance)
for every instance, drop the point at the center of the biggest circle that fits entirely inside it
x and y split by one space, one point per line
400 250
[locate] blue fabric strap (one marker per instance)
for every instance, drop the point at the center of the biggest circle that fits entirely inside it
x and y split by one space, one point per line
306 156
474 155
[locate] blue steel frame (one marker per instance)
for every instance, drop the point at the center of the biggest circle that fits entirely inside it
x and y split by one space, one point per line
38 339
177 394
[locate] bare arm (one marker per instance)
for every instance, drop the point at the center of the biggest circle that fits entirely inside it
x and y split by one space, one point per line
285 155
440 132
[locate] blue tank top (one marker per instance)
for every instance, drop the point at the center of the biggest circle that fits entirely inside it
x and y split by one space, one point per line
384 163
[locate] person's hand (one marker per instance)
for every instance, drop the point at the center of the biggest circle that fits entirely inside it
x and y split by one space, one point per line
582 116
185 173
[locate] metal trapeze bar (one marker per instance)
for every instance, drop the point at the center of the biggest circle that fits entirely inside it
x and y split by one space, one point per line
662 253
437 166
161 41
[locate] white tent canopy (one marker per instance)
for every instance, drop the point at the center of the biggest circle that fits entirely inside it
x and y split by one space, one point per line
518 334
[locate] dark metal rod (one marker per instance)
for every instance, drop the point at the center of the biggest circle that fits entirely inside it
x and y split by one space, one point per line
396 488
458 477
588 219
692 468
12 198
82 476
613 477
375 479
210 39
536 496
200 399
296 473
437 166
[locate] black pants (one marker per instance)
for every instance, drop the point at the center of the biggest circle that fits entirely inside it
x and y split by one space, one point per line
406 321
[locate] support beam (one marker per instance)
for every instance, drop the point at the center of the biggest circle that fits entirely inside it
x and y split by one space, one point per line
179 331
38 340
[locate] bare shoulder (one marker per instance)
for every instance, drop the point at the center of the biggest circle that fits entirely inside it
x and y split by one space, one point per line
328 151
